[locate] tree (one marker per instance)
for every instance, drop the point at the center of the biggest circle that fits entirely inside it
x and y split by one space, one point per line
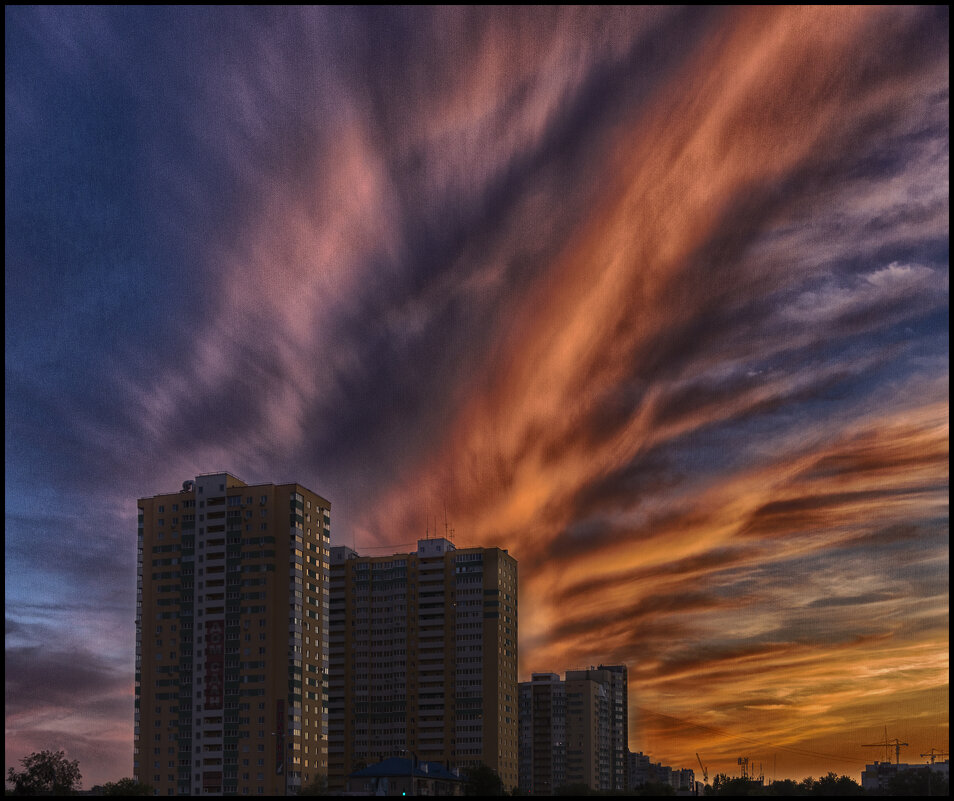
785 787
656 788
319 786
727 785
127 786
46 773
832 784
483 780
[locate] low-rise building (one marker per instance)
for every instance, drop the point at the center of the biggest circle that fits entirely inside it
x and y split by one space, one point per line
879 775
405 777
643 771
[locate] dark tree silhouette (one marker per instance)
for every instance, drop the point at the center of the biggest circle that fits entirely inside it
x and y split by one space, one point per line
46 773
483 780
127 786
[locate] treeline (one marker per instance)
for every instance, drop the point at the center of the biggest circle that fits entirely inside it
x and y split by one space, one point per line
919 782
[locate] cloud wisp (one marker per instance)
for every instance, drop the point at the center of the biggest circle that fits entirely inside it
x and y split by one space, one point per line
657 299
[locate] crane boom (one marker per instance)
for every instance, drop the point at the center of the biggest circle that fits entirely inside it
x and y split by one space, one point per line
932 753
886 745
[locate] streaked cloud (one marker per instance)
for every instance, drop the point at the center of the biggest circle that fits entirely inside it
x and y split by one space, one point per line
657 299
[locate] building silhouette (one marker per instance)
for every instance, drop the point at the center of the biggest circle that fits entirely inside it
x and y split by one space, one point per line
542 742
574 731
397 776
423 659
231 638
877 777
643 771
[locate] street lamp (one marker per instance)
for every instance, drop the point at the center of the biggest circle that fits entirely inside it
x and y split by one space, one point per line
411 757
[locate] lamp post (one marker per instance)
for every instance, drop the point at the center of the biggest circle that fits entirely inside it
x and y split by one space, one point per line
411 757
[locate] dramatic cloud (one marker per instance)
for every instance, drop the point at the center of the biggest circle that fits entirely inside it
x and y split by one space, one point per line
655 298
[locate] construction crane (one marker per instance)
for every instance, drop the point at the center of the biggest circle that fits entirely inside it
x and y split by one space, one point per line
933 754
886 745
705 770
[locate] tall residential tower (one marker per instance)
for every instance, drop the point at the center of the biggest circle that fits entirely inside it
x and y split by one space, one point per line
232 638
574 731
424 658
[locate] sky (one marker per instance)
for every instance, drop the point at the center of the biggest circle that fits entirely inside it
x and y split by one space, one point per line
655 298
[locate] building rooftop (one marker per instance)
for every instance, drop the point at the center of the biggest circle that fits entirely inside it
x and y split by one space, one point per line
396 767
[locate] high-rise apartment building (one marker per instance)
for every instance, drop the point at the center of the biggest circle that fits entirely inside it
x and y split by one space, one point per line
232 638
574 731
614 704
542 741
423 658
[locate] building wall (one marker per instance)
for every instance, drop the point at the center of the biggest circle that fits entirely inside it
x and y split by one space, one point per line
232 638
575 731
878 776
586 732
424 658
542 734
618 686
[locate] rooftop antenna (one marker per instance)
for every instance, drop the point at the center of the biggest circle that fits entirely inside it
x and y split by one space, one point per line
445 519
744 763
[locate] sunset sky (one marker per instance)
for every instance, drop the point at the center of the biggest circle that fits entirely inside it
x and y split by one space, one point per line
657 299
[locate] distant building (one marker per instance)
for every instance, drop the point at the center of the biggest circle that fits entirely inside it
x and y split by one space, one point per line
405 777
231 638
574 731
880 774
643 771
423 658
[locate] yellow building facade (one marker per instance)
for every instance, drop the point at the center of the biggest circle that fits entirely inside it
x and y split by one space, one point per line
423 659
232 638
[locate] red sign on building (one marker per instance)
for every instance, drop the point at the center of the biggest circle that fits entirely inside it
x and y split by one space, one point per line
214 663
